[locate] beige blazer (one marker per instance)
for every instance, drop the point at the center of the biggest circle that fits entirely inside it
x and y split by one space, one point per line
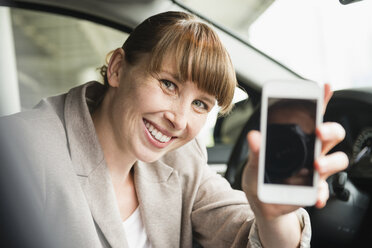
180 197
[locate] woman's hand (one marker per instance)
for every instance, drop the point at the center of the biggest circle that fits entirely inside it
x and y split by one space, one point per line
274 216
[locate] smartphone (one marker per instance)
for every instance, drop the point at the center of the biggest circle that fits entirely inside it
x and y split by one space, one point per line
290 113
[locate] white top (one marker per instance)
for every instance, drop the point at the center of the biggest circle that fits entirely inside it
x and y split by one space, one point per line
135 231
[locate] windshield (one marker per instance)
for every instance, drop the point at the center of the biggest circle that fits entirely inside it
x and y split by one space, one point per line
321 40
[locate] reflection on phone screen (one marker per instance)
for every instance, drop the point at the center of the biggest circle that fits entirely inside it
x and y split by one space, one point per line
290 141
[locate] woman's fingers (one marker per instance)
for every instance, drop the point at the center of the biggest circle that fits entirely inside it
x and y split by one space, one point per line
251 169
323 194
330 134
331 164
254 141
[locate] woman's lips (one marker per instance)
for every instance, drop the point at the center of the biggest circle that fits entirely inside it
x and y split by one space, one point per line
155 136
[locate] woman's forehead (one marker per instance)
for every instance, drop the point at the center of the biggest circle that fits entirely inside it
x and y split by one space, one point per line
173 65
168 65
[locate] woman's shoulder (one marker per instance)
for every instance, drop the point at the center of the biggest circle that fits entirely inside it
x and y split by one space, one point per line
47 109
37 127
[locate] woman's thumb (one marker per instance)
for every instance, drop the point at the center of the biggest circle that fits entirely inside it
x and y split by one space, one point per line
254 142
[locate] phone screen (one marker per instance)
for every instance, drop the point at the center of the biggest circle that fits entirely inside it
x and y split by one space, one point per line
290 141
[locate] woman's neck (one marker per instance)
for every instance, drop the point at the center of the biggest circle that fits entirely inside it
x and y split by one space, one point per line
119 161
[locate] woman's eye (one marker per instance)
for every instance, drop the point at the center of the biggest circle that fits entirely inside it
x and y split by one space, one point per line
168 85
201 105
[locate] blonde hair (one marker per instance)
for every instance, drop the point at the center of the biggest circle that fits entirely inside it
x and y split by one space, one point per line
199 54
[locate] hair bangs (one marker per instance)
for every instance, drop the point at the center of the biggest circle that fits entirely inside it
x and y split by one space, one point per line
200 58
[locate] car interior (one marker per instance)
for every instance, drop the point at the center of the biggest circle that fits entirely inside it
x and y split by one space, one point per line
49 46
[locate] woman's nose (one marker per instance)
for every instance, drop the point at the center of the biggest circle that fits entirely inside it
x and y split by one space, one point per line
177 118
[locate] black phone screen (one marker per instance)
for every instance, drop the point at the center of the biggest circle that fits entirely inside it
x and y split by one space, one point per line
290 141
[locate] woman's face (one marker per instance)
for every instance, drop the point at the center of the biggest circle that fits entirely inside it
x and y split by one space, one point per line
153 114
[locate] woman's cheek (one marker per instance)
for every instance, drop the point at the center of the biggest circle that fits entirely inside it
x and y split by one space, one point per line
154 99
197 124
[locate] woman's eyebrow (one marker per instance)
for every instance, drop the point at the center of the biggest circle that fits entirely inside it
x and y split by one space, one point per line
173 75
209 100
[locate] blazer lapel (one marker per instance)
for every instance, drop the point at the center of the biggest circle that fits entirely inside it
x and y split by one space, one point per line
102 203
89 164
160 196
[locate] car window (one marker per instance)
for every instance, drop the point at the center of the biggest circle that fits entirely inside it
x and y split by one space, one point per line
323 41
54 53
208 130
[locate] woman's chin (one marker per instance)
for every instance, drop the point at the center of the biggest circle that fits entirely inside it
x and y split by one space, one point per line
151 159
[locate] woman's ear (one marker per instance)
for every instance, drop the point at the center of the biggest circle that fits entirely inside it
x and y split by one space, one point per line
114 67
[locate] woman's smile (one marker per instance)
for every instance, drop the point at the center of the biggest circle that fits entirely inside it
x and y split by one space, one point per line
156 137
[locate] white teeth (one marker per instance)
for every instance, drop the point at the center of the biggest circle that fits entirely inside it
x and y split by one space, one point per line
165 138
158 136
156 133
